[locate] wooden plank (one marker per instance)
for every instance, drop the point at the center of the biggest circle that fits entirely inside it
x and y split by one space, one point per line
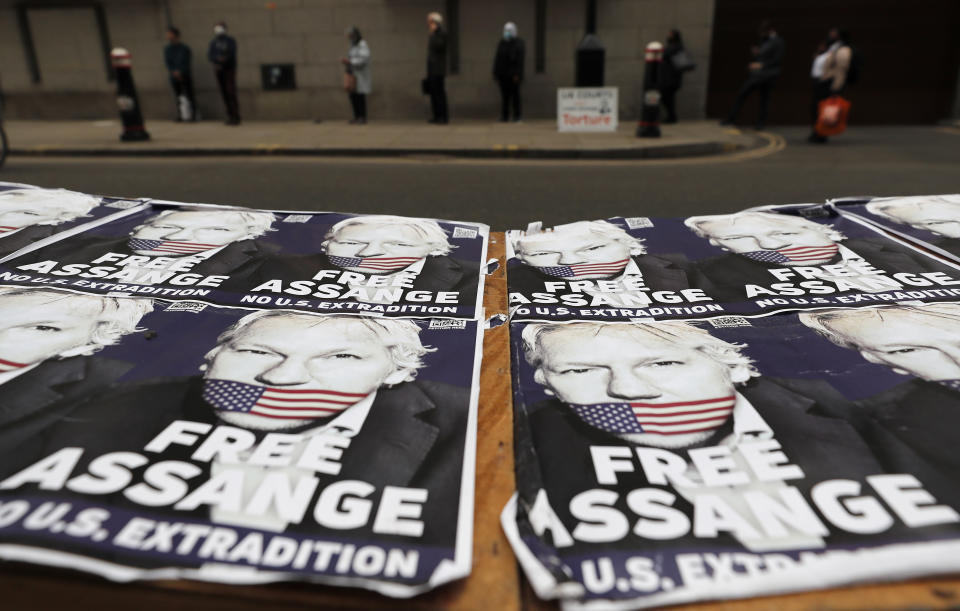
493 584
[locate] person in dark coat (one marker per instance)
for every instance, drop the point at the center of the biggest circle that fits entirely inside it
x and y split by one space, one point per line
354 380
671 78
674 387
437 69
30 214
222 243
47 339
223 55
937 214
763 72
177 57
595 250
914 426
761 241
508 71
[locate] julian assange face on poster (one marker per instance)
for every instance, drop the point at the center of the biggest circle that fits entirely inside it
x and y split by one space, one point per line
175 233
922 341
937 213
384 244
658 369
312 367
25 207
769 237
41 324
584 250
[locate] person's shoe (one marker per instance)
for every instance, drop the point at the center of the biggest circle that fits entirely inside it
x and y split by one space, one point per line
759 126
233 122
816 138
443 121
504 119
726 122
517 120
669 121
360 121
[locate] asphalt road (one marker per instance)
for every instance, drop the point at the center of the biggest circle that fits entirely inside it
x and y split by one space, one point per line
511 193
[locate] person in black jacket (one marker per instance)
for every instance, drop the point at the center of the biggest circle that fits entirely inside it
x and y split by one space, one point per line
30 214
508 71
763 70
177 57
437 69
223 55
914 426
671 78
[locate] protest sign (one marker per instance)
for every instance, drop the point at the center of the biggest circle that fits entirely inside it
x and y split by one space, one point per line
155 439
755 262
587 109
672 461
378 265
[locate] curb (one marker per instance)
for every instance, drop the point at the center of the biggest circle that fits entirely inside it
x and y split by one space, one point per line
670 151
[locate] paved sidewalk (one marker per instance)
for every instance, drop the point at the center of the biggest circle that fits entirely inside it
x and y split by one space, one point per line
531 139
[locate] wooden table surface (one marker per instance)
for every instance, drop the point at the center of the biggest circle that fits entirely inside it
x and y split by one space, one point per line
496 582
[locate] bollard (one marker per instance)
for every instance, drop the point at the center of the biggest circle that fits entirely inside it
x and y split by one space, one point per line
127 101
649 124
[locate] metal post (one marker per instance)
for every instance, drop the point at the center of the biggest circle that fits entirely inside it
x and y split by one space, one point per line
649 124
127 101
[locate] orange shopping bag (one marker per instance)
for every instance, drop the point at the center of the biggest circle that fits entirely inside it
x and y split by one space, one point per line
832 116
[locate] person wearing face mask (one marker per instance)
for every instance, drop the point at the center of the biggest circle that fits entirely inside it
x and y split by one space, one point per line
223 55
357 64
673 387
508 71
915 425
348 381
47 368
29 214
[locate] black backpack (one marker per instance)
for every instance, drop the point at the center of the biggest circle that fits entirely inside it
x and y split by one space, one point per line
856 66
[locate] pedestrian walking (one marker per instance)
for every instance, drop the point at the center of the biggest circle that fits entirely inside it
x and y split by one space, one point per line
830 70
177 56
675 63
357 80
763 71
436 69
508 71
223 55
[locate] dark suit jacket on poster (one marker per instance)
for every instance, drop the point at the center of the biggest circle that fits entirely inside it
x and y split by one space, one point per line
439 273
25 237
951 245
730 272
669 272
237 259
915 428
34 403
822 446
413 437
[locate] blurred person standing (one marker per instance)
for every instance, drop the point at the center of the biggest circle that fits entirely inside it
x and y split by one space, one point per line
831 78
437 69
177 57
223 55
357 65
675 63
508 71
763 71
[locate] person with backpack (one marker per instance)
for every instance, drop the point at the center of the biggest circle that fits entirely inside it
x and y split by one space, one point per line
675 63
832 74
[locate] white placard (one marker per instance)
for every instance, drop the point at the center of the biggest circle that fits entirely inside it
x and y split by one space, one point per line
587 109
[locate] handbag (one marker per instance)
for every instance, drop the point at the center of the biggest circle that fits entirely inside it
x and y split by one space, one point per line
349 82
682 62
832 116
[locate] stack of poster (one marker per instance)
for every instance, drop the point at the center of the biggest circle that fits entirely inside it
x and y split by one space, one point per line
731 405
243 396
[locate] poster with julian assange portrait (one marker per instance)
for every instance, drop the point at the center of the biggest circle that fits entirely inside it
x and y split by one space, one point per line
672 461
374 265
146 439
